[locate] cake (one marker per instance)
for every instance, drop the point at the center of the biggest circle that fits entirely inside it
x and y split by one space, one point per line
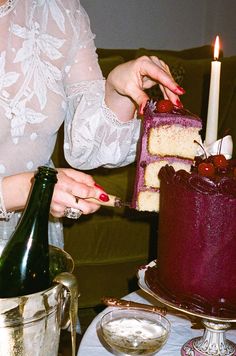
196 256
168 136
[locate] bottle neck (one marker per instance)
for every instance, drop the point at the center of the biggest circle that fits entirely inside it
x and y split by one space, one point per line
40 197
38 204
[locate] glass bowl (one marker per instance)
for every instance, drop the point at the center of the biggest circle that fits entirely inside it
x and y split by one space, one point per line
134 331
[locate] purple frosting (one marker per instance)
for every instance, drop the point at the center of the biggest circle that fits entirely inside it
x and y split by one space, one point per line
197 239
224 183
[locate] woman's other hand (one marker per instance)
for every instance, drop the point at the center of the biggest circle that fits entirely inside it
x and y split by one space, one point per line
126 83
71 190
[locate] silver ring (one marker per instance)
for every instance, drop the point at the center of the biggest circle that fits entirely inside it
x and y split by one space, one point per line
72 213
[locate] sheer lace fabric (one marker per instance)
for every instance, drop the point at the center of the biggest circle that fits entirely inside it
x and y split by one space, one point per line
49 74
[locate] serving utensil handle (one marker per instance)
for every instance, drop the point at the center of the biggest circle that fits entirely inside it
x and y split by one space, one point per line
122 303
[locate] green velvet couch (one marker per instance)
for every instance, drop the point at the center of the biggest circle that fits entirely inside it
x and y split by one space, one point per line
110 245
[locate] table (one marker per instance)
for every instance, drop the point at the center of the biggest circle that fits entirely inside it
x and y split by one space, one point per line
181 331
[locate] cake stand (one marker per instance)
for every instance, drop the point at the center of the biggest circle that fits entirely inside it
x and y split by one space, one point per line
213 341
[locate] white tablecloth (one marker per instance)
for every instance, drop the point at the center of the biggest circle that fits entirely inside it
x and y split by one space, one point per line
181 331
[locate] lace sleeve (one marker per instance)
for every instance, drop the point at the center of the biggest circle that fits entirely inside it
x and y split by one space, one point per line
3 213
81 61
94 136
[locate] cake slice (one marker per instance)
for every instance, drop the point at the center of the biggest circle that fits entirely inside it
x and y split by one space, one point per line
166 138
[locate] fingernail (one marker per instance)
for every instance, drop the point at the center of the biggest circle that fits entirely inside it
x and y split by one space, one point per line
98 186
179 104
104 197
141 108
140 111
180 89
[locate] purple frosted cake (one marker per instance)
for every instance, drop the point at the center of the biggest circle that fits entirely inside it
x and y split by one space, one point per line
166 138
196 264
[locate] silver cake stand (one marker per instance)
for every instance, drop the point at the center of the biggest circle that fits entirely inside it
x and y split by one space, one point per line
213 341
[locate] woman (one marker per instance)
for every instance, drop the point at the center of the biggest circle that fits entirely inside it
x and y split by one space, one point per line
49 73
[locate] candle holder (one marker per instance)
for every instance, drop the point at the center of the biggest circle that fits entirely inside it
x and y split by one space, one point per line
213 341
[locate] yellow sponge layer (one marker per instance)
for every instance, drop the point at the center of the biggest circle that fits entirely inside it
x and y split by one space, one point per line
151 179
173 140
148 201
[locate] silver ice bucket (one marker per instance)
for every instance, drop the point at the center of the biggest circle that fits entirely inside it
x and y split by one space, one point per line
30 325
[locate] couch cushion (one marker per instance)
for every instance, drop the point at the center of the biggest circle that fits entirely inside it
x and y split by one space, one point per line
126 54
190 53
227 109
108 63
112 243
177 72
107 248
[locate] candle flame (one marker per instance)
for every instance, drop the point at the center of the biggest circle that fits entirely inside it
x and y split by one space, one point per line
217 48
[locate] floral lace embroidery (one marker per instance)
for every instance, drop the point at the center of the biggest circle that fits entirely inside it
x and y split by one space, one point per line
9 78
49 48
7 7
46 76
93 91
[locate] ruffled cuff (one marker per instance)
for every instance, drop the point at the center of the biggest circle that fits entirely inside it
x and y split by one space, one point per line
111 116
3 213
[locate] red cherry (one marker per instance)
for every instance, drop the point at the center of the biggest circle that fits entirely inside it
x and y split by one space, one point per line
220 161
235 171
164 106
206 169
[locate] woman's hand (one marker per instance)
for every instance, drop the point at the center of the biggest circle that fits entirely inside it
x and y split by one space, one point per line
71 190
126 83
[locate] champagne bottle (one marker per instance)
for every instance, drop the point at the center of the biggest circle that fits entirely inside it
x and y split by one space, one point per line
24 263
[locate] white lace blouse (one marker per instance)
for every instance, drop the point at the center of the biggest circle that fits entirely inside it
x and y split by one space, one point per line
49 74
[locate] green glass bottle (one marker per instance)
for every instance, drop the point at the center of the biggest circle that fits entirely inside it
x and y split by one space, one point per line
24 263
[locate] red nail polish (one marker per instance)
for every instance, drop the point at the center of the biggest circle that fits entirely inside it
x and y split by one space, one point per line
180 89
104 197
98 186
179 104
141 108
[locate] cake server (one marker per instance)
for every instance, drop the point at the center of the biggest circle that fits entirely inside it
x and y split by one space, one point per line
122 303
113 201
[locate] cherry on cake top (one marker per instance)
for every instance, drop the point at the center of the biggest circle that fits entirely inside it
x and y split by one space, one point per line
164 106
214 166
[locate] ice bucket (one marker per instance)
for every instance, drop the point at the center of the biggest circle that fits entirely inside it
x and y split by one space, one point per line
30 325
